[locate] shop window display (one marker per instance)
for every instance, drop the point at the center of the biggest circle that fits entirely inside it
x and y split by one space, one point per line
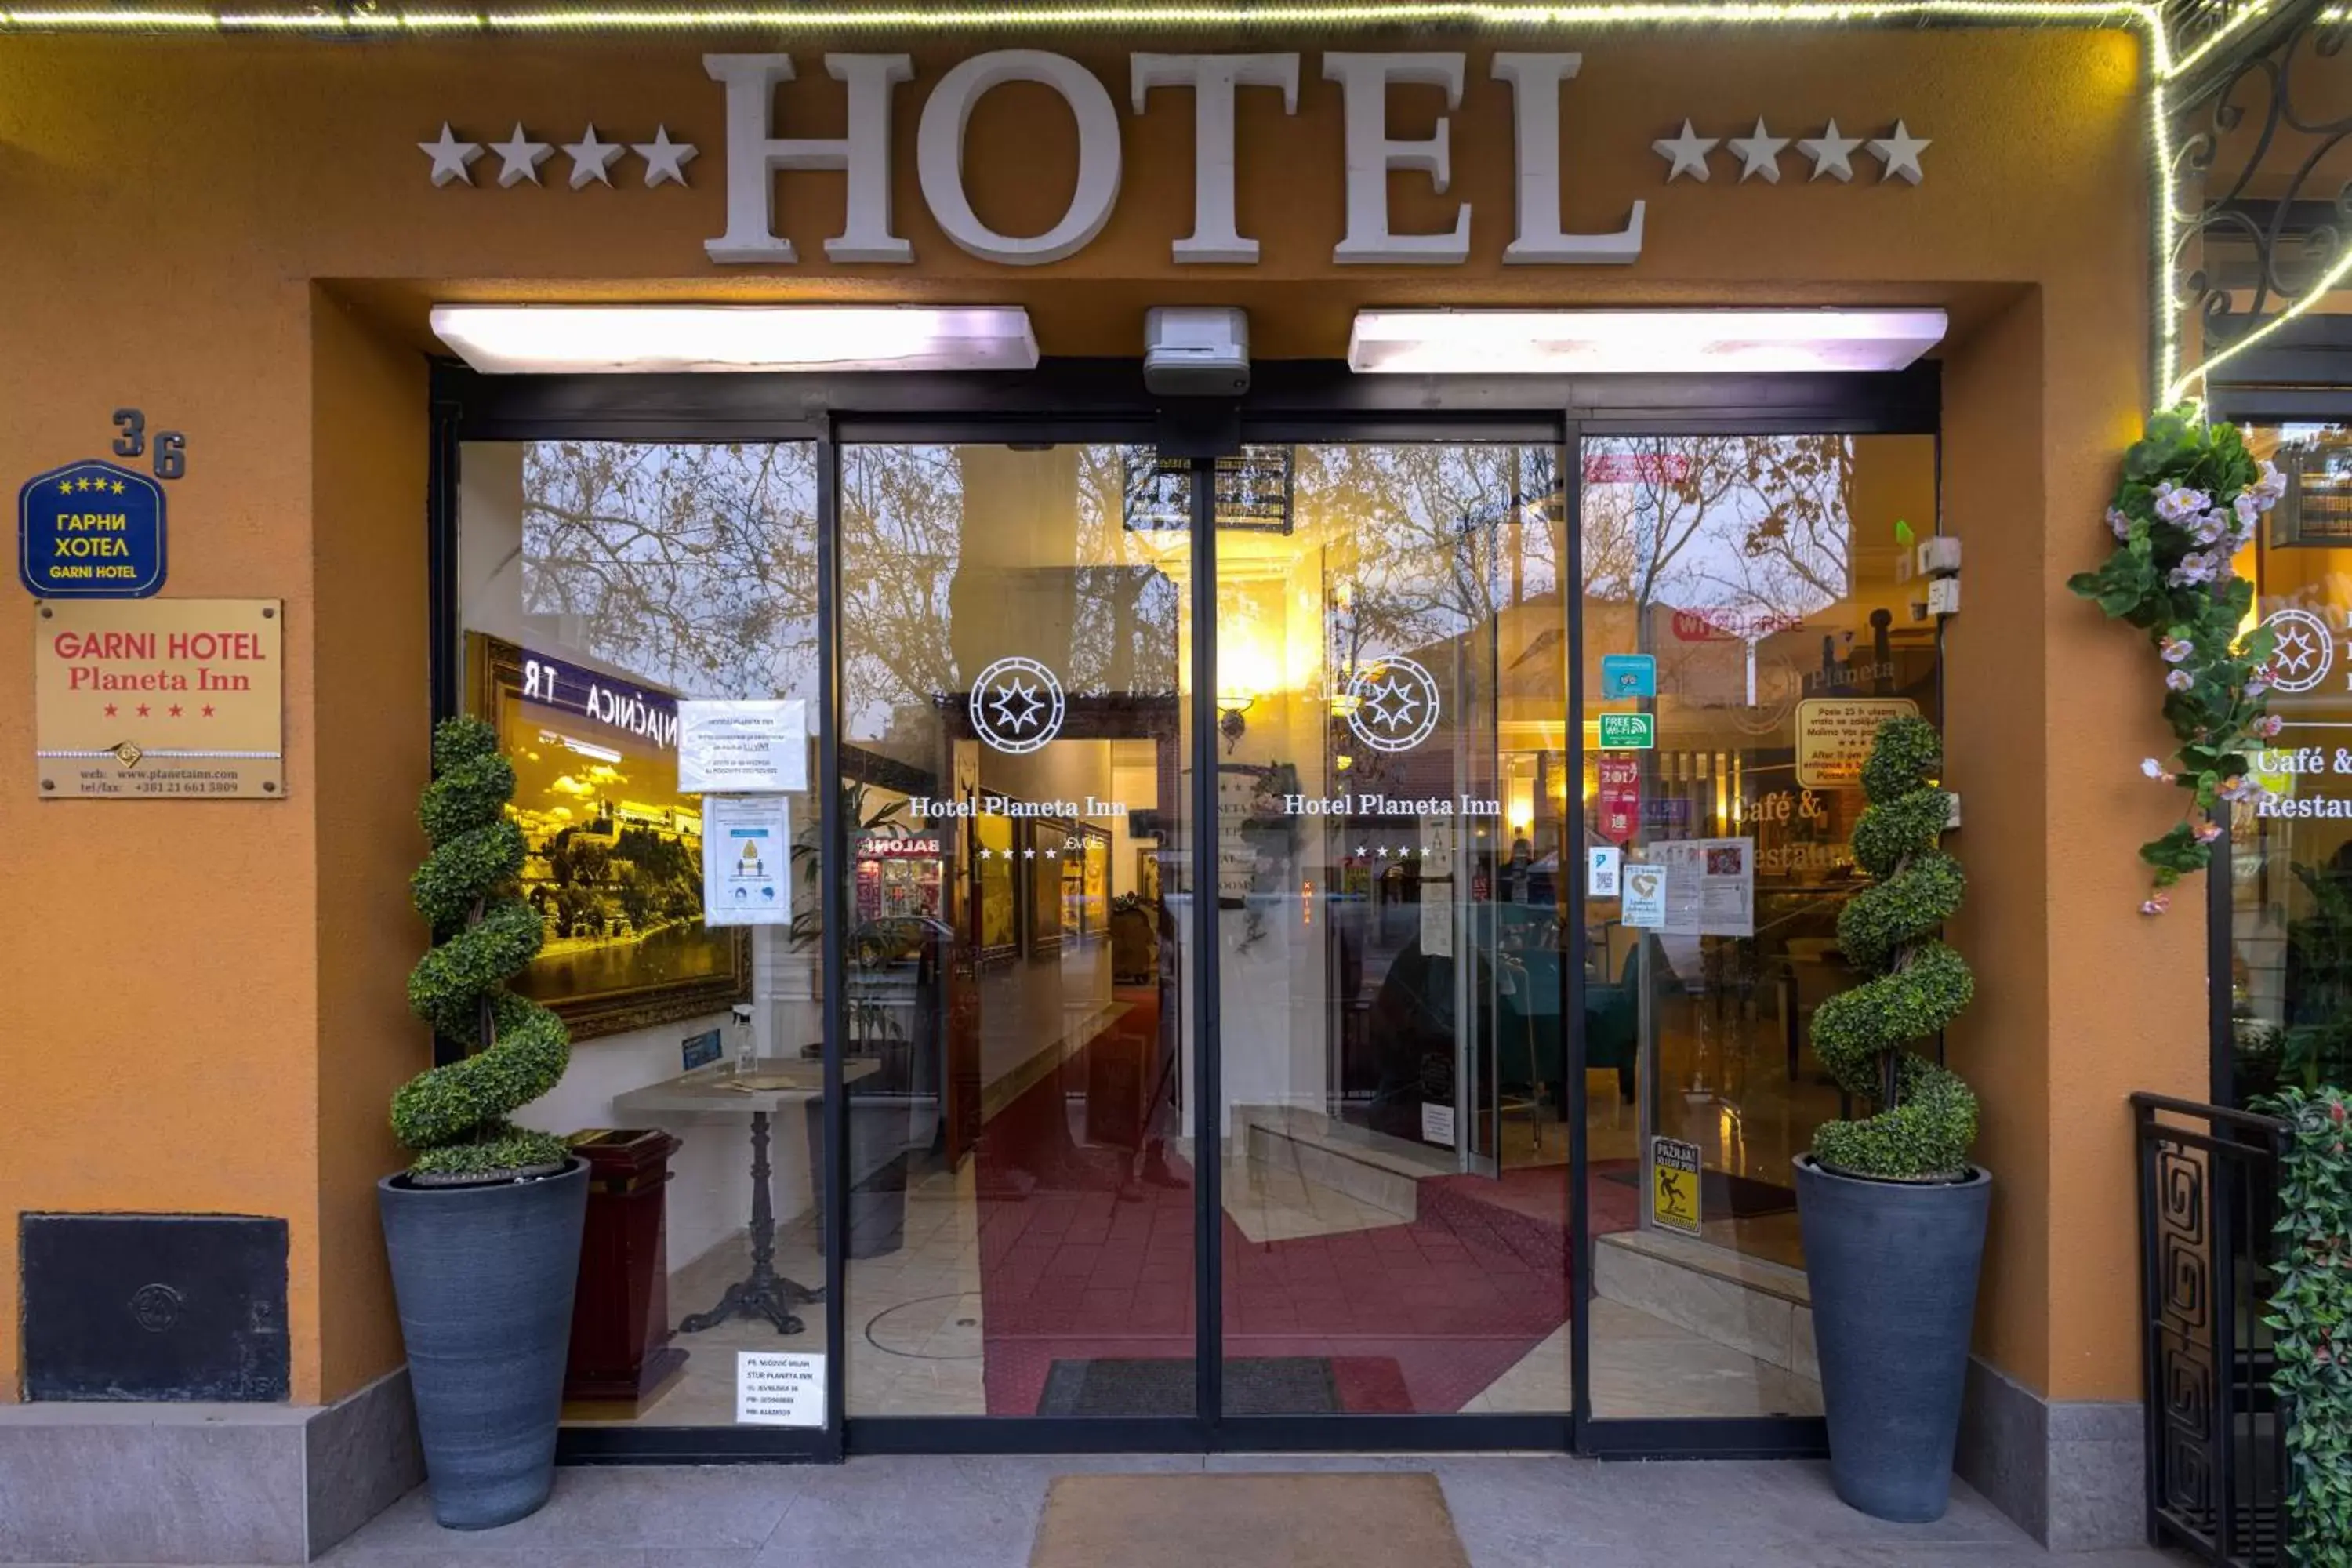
602 585
2290 866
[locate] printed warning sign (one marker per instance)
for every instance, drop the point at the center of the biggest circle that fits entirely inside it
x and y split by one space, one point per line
1674 1186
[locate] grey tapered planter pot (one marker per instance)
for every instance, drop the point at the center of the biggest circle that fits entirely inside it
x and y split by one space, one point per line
1893 1268
484 1276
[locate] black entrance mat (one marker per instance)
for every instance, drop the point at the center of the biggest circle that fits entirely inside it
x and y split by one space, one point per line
1164 1385
1722 1195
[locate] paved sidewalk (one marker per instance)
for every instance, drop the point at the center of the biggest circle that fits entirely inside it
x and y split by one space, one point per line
1545 1512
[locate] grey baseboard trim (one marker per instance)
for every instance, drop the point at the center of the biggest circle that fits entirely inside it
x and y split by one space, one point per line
202 1483
2070 1472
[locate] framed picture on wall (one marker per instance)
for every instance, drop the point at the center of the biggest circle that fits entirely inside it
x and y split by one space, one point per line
996 910
614 852
1041 857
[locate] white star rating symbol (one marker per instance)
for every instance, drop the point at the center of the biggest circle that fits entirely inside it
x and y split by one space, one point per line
1028 854
592 159
1759 154
1831 153
521 156
1900 154
666 159
450 157
1685 154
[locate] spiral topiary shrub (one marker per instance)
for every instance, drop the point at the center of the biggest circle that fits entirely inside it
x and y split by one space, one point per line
454 1118
1927 1118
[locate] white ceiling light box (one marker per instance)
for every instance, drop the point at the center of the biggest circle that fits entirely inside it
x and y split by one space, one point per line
516 339
1606 343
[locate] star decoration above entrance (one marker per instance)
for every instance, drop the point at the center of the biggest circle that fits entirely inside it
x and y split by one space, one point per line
592 158
450 157
1759 151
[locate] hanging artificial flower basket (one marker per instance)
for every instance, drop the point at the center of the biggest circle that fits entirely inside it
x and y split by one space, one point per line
2190 498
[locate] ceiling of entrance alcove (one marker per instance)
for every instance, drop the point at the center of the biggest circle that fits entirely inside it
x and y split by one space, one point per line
1104 317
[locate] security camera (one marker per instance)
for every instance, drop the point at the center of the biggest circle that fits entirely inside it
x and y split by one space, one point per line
1195 352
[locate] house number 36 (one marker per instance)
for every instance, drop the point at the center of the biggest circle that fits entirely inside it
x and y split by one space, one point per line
131 440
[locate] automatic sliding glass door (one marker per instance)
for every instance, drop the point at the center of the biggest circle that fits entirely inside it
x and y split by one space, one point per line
1021 1214
1392 801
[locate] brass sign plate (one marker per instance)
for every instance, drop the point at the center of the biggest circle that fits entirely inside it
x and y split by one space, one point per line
160 698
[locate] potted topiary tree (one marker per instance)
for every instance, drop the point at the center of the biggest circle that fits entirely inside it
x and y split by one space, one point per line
1893 1214
484 1229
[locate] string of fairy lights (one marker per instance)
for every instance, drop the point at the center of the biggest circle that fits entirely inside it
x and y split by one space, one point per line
2167 70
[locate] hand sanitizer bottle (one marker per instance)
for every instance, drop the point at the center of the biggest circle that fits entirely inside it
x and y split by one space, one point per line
746 1046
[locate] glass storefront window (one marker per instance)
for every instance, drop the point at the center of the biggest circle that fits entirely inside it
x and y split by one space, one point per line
601 584
1769 580
2290 864
1400 807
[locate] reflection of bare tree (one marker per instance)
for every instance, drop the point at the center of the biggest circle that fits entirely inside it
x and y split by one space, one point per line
1124 636
902 534
905 518
1756 528
1428 540
1647 500
1795 538
694 566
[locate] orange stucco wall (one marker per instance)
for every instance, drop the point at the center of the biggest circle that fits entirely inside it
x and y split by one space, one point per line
240 237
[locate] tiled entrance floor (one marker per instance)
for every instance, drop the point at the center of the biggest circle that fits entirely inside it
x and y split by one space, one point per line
897 1512
915 1315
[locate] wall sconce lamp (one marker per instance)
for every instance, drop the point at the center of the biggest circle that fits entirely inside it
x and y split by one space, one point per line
1231 706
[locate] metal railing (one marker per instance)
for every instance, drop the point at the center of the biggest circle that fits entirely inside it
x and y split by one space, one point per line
2216 1445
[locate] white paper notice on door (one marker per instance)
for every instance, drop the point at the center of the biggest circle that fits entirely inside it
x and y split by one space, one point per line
1714 886
779 1388
746 747
1645 897
747 860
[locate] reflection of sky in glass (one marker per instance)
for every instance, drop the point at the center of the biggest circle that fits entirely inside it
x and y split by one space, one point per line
904 521
1758 527
1428 540
693 566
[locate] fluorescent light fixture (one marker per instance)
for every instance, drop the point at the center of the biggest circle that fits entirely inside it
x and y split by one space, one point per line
511 339
1606 343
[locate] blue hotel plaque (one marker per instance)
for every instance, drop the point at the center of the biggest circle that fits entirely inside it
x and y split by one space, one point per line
90 530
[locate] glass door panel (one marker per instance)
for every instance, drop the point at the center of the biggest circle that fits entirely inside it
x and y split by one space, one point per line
1391 787
1768 580
1021 1217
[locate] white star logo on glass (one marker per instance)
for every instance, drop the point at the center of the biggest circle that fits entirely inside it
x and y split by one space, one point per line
1900 154
450 157
1685 154
666 159
1831 153
521 157
1016 705
1759 154
592 159
2301 650
1393 704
